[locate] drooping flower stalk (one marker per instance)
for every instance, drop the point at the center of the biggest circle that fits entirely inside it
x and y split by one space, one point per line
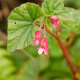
38 35
40 27
43 45
44 32
66 54
42 42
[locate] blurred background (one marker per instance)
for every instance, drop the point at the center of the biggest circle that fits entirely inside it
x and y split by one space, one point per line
27 64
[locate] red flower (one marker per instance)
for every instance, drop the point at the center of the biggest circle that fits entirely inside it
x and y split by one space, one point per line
43 46
38 35
55 24
54 21
54 18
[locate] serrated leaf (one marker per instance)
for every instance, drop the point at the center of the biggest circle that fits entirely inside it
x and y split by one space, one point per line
56 7
72 24
48 23
20 25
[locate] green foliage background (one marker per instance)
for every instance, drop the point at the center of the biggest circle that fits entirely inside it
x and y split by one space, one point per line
19 65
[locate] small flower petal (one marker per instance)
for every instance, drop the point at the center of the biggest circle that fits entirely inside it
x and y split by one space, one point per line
54 18
46 53
43 44
55 24
40 50
38 34
36 42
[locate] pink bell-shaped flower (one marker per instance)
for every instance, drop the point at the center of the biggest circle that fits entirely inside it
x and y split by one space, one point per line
54 21
38 35
54 18
43 46
55 24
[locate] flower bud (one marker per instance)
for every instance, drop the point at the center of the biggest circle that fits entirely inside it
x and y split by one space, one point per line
38 34
43 46
55 24
54 18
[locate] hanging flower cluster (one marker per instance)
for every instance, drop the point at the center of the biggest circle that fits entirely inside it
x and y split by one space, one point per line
54 21
42 42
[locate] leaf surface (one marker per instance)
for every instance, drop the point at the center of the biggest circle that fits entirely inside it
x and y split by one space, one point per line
21 27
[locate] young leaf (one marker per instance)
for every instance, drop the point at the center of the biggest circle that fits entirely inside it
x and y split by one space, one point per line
20 25
56 7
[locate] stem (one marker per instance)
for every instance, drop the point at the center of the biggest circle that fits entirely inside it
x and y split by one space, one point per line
44 31
53 34
71 38
29 55
40 27
66 54
63 50
58 31
68 43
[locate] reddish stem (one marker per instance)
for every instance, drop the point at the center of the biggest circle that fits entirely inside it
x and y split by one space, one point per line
44 31
63 50
67 57
40 27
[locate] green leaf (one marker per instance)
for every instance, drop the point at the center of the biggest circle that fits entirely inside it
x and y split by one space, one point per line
65 32
75 50
32 68
72 24
48 23
56 7
57 70
55 51
20 25
7 67
76 29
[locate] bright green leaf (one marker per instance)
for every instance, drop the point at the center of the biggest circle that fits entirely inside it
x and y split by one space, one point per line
72 24
56 7
48 23
20 25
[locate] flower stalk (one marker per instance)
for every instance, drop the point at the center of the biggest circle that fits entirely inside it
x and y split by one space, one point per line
66 55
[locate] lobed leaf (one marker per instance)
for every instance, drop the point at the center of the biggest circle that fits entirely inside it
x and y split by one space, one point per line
56 7
72 24
20 25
